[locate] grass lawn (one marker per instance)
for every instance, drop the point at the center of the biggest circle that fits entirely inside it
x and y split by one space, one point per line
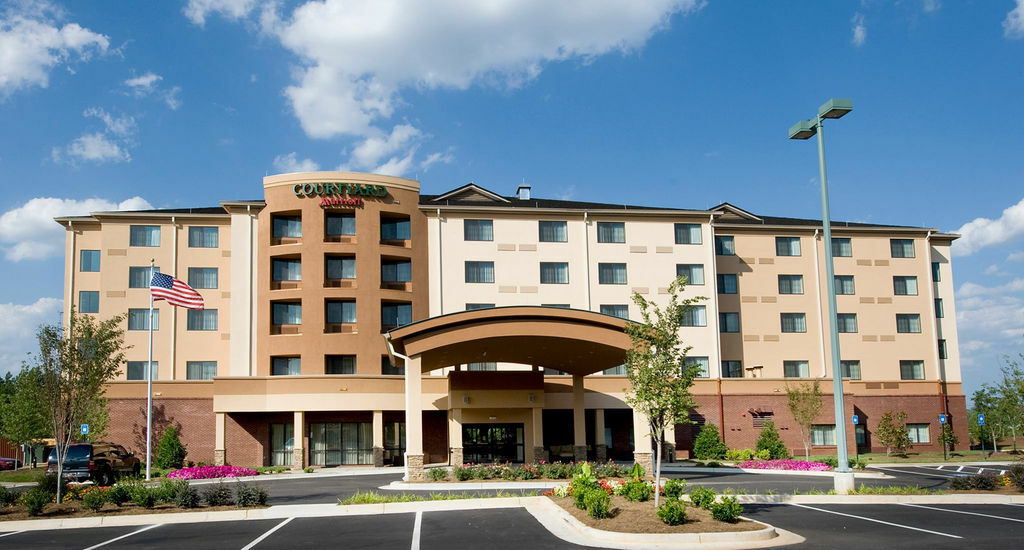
24 474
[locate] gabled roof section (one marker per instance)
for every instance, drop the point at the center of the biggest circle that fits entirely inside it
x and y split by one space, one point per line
471 192
730 211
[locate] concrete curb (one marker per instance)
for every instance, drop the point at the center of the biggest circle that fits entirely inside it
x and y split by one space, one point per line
701 470
969 498
471 486
292 476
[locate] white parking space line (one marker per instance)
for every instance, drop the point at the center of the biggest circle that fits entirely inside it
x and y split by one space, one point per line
961 512
960 469
115 539
2 535
876 521
416 531
267 534
909 472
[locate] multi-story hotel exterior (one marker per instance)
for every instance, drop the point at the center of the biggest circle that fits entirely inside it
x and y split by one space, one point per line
351 320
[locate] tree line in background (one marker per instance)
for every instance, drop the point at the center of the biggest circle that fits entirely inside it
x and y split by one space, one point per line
1002 403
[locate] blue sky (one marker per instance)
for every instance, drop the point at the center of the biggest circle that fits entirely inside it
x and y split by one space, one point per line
680 103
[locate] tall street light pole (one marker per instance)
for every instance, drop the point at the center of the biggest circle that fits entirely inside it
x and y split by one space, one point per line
833 108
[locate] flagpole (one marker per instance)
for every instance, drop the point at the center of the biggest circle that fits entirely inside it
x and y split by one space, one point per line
149 373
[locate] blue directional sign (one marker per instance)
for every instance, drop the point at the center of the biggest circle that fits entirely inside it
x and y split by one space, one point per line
85 429
942 419
855 420
981 420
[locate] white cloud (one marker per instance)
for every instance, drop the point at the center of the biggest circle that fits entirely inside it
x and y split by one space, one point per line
1016 256
970 290
18 324
28 232
930 6
119 126
994 270
1013 25
860 32
446 157
109 145
144 84
974 345
197 10
371 150
32 43
171 98
288 164
982 232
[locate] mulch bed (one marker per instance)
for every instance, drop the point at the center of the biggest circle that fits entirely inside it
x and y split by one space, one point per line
75 510
641 517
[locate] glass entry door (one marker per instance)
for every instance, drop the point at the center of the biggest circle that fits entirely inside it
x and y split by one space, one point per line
485 443
394 443
336 444
282 441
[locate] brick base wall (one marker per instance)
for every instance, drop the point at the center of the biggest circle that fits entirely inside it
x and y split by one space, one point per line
193 418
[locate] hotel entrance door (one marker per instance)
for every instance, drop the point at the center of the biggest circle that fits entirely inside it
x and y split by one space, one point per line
486 443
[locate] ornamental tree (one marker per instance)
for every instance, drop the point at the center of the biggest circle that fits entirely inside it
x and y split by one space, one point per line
804 402
892 432
22 421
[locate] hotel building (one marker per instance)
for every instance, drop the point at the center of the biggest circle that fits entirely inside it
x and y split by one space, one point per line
351 320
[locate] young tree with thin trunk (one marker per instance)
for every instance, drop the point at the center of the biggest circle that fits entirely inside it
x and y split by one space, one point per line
659 376
892 432
804 401
21 420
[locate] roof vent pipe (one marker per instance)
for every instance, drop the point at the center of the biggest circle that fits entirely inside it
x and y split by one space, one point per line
523 191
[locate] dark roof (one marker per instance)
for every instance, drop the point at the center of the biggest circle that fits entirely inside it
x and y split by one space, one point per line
199 210
515 202
776 220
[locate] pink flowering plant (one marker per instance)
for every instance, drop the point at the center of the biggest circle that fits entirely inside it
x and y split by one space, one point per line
211 472
786 464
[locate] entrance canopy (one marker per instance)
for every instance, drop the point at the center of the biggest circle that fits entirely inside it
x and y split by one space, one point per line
570 340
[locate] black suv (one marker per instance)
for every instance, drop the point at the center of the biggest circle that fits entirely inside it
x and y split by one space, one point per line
100 462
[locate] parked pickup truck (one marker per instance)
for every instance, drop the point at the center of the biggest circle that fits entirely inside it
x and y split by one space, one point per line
101 462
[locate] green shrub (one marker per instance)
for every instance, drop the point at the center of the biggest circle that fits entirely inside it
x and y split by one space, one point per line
703 497
579 497
437 474
168 488
558 470
597 503
674 488
828 461
982 482
637 471
714 464
739 455
709 444
7 497
94 500
462 473
771 441
1016 475
763 454
186 496
727 509
217 495
637 491
170 453
672 512
145 497
247 496
121 492
48 484
609 469
308 469
35 500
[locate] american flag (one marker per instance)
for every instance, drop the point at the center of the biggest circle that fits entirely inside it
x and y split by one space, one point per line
177 293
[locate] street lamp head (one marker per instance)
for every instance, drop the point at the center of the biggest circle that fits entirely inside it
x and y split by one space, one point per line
805 129
835 108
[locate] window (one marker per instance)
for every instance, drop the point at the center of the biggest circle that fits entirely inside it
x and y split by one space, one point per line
395 315
202 277
89 301
559 306
942 349
904 286
144 235
90 260
935 272
138 319
341 311
554 273
139 277
338 225
728 283
553 232
787 246
694 273
918 433
616 310
285 366
488 366
341 267
203 237
611 274
478 230
615 371
137 370
611 232
474 307
340 364
732 369
395 229
282 444
794 322
823 435
286 269
688 233
479 272
286 227
902 248
387 367
850 369
729 322
694 316
200 370
908 323
841 247
286 313
911 370
202 319
395 271
938 308
844 284
860 434
846 322
701 363
725 246
791 284
795 369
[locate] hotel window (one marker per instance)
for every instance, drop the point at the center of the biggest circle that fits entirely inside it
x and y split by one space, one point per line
791 284
285 366
732 369
89 301
688 233
728 283
615 371
904 286
616 310
137 370
611 232
701 363
479 272
395 229
694 316
387 367
139 277
286 270
395 315
611 274
935 272
902 248
725 246
474 307
823 435
138 319
341 311
478 230
846 322
340 364
795 369
554 273
486 366
908 323
553 232
340 225
729 322
938 308
341 267
559 306
942 349
842 247
144 235
202 319
200 370
787 246
396 271
90 260
844 284
911 370
286 313
794 322
694 273
282 443
850 369
286 227
203 237
918 433
202 277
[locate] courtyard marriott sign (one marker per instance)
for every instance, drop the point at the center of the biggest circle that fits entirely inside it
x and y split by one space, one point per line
339 194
